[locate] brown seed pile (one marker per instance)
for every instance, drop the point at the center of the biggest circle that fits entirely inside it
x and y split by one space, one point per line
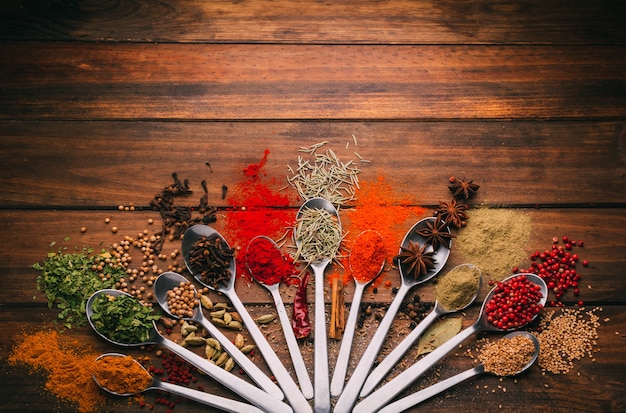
567 337
182 299
507 356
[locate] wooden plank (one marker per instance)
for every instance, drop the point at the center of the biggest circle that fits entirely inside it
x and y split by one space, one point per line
246 82
105 164
288 21
32 234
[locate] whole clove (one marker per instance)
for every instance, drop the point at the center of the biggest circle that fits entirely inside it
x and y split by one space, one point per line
210 259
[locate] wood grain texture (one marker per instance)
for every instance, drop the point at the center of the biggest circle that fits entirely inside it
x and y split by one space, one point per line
247 82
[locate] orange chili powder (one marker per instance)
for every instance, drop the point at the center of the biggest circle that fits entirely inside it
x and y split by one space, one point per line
367 256
70 367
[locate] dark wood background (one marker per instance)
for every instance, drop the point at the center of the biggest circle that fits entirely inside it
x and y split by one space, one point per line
101 101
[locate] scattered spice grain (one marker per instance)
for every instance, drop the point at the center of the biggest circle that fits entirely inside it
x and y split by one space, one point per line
507 356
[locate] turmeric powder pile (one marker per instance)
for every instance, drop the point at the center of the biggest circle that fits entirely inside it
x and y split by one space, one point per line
122 374
69 366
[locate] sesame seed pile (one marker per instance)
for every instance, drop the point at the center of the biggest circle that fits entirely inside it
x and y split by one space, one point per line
565 338
507 356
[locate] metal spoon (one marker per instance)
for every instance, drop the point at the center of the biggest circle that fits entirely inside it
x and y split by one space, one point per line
353 388
293 394
292 343
341 366
320 349
388 391
168 280
394 357
419 396
246 390
212 400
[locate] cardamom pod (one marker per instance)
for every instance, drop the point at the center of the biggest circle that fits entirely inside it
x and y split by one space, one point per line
246 349
230 363
266 318
236 316
187 328
206 302
213 343
218 313
209 351
218 322
235 325
239 341
194 340
221 306
221 360
228 318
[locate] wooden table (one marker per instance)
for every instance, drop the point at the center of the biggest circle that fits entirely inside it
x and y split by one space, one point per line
101 102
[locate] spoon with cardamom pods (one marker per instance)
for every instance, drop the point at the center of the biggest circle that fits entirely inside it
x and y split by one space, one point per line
211 261
454 292
107 376
418 262
165 283
523 350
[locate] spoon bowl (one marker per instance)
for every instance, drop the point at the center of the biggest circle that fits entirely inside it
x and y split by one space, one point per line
211 400
388 391
167 281
320 350
246 390
290 389
353 388
292 343
392 359
343 357
422 395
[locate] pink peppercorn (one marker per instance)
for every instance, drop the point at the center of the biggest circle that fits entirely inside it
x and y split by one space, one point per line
514 303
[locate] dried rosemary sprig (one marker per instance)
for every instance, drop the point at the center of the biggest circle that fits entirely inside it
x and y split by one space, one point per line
317 235
324 175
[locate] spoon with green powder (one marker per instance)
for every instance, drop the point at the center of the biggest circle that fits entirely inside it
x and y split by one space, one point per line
108 310
351 391
151 383
455 291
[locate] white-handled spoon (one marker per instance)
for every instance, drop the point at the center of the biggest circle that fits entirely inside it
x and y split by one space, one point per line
292 393
292 343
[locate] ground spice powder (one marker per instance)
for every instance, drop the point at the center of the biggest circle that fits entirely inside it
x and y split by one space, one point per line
495 240
70 367
457 289
121 374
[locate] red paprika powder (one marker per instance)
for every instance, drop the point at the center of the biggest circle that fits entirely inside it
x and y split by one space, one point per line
266 263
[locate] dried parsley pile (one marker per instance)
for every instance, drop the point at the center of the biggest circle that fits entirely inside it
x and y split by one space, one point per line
68 280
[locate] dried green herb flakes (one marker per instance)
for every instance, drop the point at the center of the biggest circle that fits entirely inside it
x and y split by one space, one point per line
122 318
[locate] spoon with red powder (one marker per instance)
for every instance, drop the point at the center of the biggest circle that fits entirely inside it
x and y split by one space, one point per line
367 260
268 267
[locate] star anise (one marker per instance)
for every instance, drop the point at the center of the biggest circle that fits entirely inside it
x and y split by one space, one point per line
436 233
462 188
452 213
417 259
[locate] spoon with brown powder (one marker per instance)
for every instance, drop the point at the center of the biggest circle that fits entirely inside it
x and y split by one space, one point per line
511 355
107 376
455 291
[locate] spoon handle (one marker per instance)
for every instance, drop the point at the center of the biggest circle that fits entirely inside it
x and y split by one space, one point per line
212 400
255 373
352 389
322 391
292 343
343 358
290 388
387 392
246 390
392 358
419 396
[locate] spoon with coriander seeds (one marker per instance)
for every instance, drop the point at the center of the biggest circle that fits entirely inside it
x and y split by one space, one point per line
454 291
123 320
367 260
169 282
418 262
211 261
509 356
138 380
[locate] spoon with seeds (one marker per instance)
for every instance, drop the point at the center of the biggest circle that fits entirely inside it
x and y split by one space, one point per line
199 233
374 239
212 400
440 256
292 343
527 359
246 390
166 282
389 390
441 307
317 236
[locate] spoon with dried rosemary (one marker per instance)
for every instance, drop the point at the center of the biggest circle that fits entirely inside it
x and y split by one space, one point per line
104 315
106 380
421 263
216 269
318 236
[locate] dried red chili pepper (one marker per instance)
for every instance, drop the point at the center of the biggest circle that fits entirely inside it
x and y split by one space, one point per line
300 321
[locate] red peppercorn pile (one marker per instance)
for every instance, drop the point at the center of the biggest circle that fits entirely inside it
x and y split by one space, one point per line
557 267
515 302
